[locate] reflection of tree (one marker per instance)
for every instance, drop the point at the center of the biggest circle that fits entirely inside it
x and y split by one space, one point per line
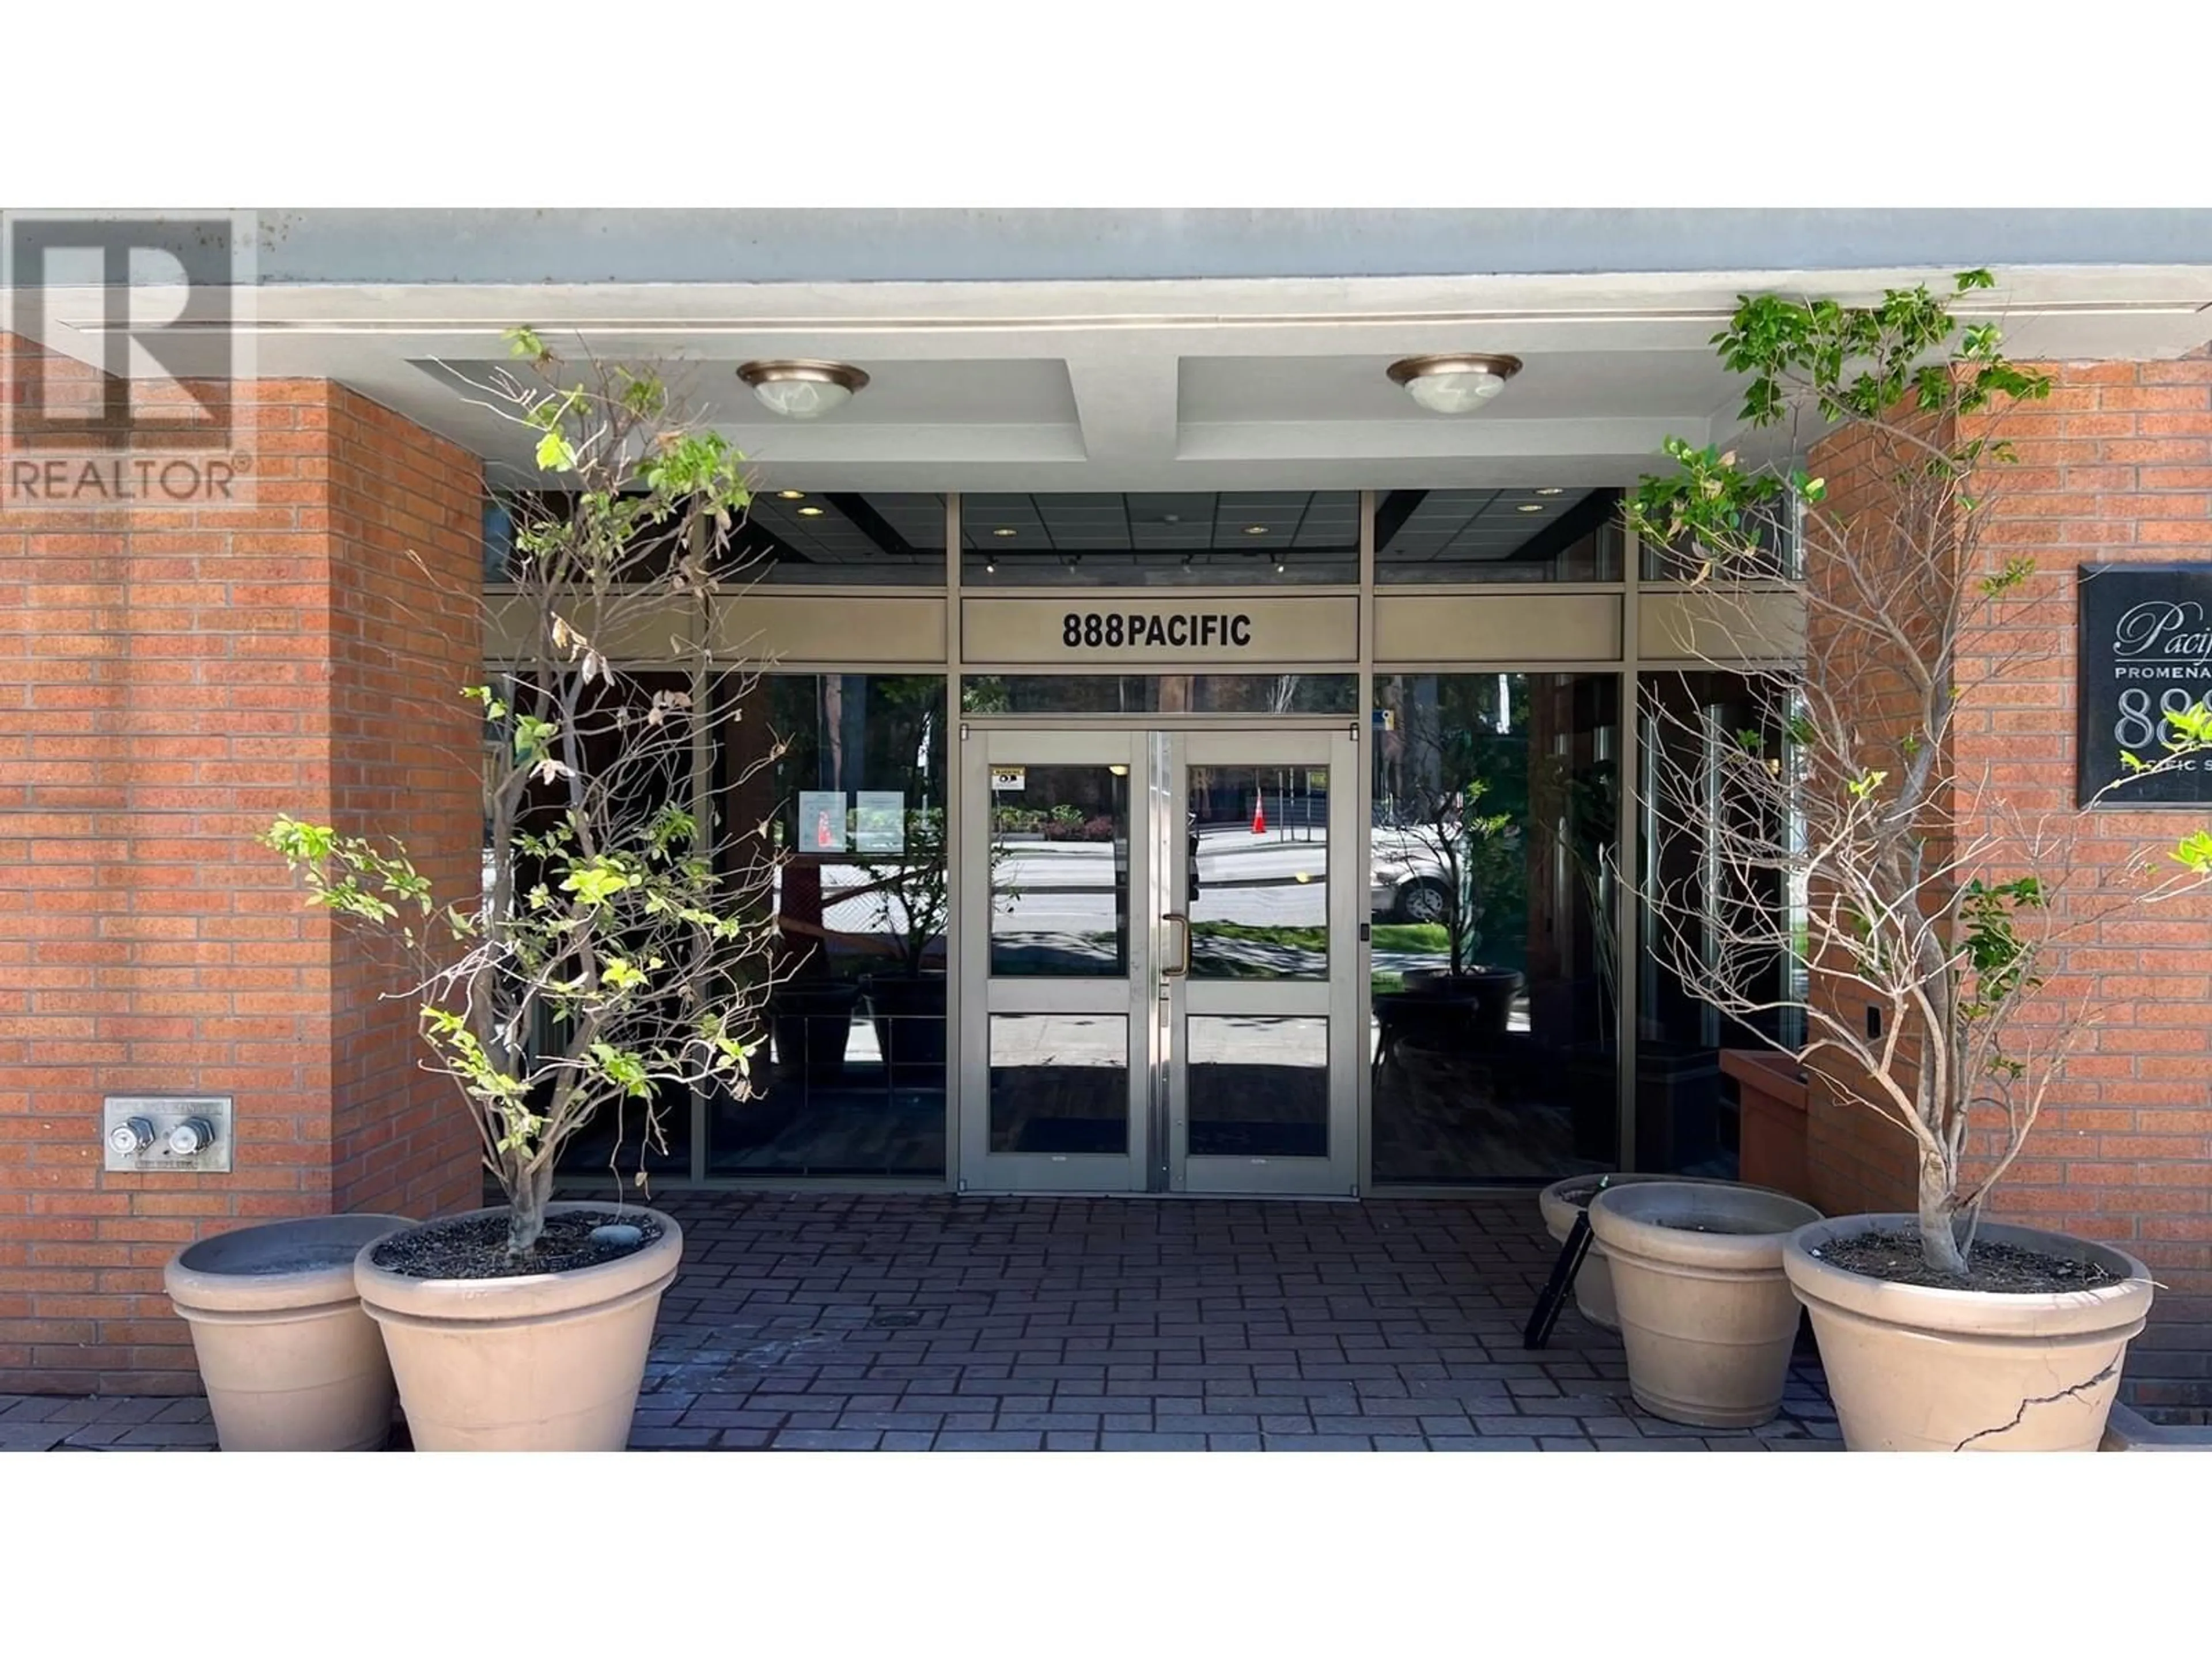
896 747
1459 790
1458 787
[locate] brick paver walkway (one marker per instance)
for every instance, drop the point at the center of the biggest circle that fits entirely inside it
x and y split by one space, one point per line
924 1321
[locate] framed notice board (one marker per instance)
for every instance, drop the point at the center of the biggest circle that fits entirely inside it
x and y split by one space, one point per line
2144 653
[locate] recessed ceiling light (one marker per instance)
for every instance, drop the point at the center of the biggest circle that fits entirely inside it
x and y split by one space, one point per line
1453 383
1529 506
802 389
1003 530
1256 530
1553 490
809 512
790 494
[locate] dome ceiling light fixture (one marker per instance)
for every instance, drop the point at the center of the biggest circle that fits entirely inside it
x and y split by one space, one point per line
1452 383
802 389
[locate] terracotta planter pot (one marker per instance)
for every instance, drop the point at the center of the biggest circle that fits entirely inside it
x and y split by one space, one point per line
547 1362
289 1360
1912 1368
1707 1316
1594 1297
1771 1091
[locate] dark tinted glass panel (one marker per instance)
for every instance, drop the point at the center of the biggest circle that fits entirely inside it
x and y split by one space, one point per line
1494 883
832 536
1059 1083
1252 537
1160 694
842 776
1543 535
1258 1087
1255 863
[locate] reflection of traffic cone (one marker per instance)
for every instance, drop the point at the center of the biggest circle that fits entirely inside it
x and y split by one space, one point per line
822 835
1259 815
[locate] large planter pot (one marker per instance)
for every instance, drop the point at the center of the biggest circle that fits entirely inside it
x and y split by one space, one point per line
1915 1367
909 1015
541 1362
1706 1314
289 1361
812 1022
1561 1202
1771 1095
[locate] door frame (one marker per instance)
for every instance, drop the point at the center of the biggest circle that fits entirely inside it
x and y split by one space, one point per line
977 1167
1335 999
1157 752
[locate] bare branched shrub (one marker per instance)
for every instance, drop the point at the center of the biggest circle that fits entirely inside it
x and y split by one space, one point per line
1935 908
622 945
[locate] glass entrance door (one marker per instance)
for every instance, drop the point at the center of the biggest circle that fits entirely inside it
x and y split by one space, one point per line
1159 961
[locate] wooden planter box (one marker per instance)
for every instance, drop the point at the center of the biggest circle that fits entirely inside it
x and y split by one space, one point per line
1770 1089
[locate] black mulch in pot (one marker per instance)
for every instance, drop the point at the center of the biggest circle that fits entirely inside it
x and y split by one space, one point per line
2000 1269
474 1246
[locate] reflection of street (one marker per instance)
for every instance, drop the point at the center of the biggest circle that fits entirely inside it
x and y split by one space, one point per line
1258 881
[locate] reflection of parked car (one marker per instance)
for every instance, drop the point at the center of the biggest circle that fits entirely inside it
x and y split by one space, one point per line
1408 881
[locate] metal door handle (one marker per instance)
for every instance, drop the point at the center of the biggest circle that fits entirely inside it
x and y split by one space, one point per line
1183 971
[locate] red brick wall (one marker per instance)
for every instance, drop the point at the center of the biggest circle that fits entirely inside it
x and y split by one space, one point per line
2116 466
169 681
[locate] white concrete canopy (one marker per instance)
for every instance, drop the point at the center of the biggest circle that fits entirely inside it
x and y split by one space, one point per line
1180 383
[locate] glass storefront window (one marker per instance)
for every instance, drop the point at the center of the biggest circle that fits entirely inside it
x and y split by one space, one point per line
787 537
844 775
1494 882
1686 717
1237 538
1542 535
842 537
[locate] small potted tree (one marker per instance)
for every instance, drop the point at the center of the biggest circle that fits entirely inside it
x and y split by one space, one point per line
1929 977
610 962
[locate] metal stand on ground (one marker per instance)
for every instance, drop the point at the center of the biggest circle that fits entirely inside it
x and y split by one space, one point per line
1538 1331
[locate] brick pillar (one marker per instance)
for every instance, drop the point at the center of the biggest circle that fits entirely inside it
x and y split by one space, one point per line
170 681
2115 467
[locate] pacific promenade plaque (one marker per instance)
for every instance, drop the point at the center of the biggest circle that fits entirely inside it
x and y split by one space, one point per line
2145 655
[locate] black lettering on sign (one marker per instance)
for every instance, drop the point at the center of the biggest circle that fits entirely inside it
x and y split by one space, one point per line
2145 656
1180 630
